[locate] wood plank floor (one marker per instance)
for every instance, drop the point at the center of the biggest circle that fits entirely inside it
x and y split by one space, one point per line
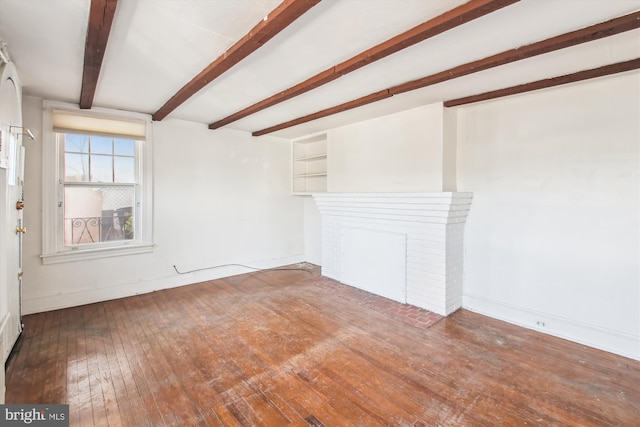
276 349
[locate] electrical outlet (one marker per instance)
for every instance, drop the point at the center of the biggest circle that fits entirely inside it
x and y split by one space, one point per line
541 323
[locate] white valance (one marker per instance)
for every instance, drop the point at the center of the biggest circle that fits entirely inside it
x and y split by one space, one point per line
66 121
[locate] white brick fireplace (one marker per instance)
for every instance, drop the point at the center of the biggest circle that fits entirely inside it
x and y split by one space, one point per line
403 246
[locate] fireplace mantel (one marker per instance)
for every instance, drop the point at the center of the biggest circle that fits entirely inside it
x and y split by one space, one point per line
405 246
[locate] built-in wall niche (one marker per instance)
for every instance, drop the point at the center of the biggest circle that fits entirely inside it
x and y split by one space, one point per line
309 164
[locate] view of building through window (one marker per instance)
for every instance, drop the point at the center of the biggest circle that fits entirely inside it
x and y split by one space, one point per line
99 175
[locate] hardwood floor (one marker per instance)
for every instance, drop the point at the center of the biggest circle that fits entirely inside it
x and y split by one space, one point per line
277 348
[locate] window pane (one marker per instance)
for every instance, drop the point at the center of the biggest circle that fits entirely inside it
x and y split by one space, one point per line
76 167
82 215
120 200
101 145
124 169
124 147
101 169
94 215
76 143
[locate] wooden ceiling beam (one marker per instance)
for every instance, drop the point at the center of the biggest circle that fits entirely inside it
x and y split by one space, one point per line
593 73
101 15
277 20
368 99
448 20
573 38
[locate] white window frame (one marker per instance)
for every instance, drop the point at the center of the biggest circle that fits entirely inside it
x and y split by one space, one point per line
53 248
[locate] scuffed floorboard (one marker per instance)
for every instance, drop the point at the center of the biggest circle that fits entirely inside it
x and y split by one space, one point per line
284 348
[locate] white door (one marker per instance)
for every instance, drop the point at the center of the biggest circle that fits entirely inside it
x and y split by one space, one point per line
11 218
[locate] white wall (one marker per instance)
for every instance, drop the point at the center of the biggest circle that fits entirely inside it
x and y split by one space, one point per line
553 232
400 152
219 197
552 235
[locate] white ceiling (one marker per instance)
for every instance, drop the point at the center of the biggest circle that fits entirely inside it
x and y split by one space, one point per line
157 46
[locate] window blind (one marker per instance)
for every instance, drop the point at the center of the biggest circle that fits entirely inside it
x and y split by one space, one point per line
65 121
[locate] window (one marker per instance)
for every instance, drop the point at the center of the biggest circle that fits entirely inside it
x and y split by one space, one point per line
98 171
99 195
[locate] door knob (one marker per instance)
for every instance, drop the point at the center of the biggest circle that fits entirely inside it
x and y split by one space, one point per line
21 230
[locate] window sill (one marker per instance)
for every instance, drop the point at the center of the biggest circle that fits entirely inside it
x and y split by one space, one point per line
87 254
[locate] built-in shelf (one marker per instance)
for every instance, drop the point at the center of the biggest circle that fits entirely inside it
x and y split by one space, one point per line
307 175
309 156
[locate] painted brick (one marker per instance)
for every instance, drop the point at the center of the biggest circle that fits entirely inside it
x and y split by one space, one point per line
433 224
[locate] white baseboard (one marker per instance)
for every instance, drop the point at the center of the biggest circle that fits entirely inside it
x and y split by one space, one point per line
42 303
593 336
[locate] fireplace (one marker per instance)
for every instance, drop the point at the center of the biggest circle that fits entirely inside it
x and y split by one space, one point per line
404 246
